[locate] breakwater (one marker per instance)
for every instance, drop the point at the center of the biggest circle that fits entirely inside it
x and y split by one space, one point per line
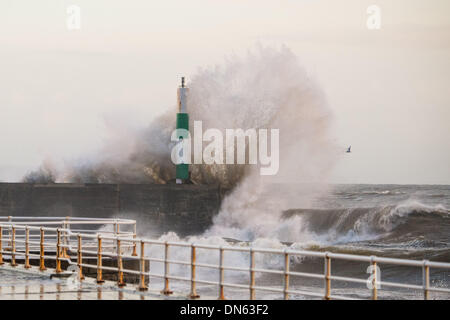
185 209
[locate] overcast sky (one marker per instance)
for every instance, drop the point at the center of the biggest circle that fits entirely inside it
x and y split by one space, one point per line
388 88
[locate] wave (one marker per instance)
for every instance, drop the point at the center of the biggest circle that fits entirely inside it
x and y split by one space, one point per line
368 193
401 231
404 222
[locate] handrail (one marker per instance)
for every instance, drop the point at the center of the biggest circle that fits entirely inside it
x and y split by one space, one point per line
12 218
119 245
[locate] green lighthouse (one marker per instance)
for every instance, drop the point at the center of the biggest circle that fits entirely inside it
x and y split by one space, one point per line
182 169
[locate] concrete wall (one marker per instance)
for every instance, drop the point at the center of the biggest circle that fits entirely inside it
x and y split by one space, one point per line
185 209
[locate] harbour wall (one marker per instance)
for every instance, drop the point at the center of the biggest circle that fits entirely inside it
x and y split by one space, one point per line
186 209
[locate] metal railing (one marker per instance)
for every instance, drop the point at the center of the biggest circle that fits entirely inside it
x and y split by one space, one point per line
34 236
72 245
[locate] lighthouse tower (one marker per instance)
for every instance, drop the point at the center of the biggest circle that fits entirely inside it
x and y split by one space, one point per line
182 169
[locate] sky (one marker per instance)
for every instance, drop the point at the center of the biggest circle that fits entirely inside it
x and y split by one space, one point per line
388 89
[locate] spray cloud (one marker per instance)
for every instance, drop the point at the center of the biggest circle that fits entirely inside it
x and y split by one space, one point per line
265 89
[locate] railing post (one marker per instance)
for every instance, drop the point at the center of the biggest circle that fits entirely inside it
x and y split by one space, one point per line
142 285
116 230
115 226
252 274
27 248
9 230
193 294
426 280
374 279
120 282
134 254
80 258
66 240
13 247
1 246
327 273
166 290
42 252
286 275
221 275
99 260
58 251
